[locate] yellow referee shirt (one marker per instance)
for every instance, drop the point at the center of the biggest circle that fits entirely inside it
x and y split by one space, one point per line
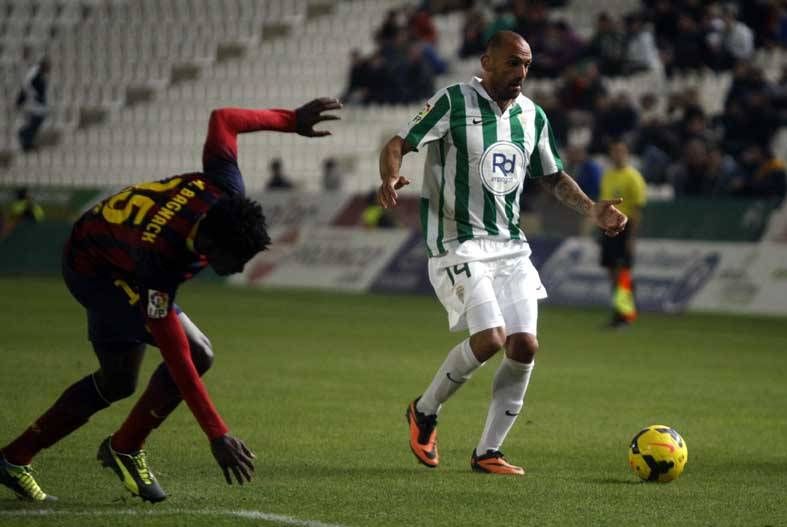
626 183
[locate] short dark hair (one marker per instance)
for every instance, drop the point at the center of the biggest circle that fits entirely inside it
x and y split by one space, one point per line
237 225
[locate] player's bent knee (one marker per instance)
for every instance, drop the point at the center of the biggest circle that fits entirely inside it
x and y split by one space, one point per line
522 347
116 387
488 342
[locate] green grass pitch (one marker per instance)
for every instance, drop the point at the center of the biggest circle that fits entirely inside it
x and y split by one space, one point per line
317 385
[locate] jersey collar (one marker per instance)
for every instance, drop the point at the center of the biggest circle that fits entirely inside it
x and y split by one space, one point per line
477 86
512 110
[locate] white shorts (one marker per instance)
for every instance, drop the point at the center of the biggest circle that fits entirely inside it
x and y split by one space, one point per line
483 294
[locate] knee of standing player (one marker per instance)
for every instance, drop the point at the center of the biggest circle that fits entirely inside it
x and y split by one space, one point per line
488 342
116 386
202 353
522 347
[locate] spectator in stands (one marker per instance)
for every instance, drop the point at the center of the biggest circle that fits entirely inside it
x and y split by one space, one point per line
475 22
764 174
722 170
617 254
585 169
686 48
654 140
558 119
358 84
614 118
32 101
422 26
608 45
278 180
751 110
729 40
664 16
693 125
423 37
691 175
559 48
580 87
332 179
530 20
641 52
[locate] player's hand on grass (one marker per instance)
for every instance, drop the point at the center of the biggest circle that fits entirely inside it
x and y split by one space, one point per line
608 217
234 457
386 194
311 113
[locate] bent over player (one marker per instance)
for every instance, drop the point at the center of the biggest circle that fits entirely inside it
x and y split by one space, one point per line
483 138
123 262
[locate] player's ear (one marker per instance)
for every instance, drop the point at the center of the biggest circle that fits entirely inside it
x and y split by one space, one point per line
486 62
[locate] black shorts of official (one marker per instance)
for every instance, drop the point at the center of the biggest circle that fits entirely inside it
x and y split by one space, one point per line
614 250
113 315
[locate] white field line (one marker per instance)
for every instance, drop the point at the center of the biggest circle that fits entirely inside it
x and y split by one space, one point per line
246 514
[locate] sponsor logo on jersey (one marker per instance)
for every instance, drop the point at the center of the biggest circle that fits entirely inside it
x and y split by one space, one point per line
502 167
158 304
423 113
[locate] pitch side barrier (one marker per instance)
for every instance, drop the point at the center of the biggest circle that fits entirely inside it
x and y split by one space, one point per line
320 241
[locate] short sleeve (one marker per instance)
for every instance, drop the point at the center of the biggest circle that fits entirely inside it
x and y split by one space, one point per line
431 123
545 159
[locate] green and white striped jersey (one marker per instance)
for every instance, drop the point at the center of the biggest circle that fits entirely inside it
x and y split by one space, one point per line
476 163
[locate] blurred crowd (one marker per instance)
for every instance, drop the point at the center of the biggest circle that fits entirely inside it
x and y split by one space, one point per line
403 67
676 142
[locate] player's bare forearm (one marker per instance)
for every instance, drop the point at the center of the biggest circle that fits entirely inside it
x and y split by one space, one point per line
390 163
567 192
391 158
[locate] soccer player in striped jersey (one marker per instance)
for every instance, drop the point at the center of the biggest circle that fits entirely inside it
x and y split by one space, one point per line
483 138
123 262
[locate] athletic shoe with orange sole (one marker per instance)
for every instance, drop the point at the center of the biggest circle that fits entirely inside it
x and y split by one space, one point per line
493 462
423 436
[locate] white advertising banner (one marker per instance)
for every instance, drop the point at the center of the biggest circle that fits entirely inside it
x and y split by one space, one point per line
776 231
342 258
677 275
667 273
751 279
285 209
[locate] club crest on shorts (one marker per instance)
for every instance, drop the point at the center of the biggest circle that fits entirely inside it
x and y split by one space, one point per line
502 167
158 304
460 292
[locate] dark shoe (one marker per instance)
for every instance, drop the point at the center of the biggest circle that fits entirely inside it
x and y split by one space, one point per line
133 471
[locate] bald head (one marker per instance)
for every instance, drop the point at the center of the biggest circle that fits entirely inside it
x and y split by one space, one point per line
503 39
505 63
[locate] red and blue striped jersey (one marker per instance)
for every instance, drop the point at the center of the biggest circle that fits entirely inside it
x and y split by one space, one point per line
144 234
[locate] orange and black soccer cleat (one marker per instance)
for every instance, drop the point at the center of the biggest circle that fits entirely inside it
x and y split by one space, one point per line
423 436
493 462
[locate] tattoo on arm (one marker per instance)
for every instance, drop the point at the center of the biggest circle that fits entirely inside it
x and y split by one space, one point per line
566 190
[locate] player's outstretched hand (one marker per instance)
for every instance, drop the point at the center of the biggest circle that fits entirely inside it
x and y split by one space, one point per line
386 194
311 113
608 217
234 456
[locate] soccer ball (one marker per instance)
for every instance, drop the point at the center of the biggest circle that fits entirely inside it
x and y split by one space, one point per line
658 453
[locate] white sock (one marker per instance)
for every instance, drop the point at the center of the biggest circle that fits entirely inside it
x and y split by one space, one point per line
508 396
455 370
